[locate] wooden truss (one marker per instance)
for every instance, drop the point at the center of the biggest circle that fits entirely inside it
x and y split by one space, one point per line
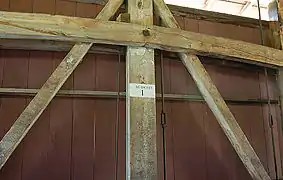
142 38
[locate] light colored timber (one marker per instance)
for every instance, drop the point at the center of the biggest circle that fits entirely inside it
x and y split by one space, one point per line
61 28
38 104
141 142
216 103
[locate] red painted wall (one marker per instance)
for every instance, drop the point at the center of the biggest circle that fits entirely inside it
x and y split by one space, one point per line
75 137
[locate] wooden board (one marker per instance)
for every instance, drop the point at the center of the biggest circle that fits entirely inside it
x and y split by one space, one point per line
61 28
141 148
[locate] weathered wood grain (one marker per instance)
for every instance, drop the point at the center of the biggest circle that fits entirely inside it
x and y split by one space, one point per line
141 162
36 107
216 103
60 28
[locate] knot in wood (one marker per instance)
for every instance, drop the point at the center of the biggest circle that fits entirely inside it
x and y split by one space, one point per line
146 32
140 4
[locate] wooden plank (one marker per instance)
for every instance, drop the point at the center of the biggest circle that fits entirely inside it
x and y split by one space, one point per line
21 5
37 142
16 63
106 122
84 117
216 103
48 7
4 5
141 147
36 107
48 27
61 129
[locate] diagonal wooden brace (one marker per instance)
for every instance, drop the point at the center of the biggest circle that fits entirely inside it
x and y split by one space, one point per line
216 103
35 108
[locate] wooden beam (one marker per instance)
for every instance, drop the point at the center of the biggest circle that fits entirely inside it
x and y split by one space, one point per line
38 104
141 148
61 28
216 103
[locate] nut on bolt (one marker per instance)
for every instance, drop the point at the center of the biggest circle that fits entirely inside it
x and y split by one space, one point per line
146 32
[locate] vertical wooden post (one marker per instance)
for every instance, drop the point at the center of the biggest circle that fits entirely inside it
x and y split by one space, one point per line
141 155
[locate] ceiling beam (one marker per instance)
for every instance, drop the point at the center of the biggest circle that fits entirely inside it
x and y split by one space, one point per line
62 28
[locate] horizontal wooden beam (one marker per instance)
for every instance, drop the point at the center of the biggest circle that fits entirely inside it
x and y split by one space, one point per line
73 29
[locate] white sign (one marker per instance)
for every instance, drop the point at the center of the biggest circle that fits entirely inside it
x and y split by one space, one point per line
142 90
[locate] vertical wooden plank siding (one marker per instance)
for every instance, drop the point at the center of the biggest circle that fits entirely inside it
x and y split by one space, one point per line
21 6
105 155
47 7
16 63
4 5
61 130
83 123
141 111
67 8
37 142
